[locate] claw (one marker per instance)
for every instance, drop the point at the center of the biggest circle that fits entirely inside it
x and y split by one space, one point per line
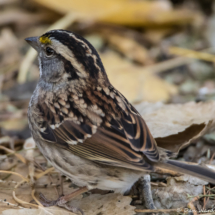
60 202
47 203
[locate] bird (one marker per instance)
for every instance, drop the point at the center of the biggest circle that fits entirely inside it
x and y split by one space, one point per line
85 127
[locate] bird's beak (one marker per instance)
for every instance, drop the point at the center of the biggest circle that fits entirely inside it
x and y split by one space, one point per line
33 41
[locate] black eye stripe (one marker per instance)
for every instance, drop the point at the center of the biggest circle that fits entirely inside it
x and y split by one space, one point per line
68 67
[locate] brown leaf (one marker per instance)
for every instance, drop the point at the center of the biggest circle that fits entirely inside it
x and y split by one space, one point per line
177 125
45 211
134 82
112 203
126 12
174 195
19 17
129 47
14 124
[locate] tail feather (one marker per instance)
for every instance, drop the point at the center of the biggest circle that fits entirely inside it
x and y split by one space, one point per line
204 173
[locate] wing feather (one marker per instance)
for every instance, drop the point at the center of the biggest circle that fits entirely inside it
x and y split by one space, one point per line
122 138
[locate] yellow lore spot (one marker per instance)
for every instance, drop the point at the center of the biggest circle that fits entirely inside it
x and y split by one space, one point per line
45 40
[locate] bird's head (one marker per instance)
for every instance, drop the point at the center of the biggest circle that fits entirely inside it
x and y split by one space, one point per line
65 57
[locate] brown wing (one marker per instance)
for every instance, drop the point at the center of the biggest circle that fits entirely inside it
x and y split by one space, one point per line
120 139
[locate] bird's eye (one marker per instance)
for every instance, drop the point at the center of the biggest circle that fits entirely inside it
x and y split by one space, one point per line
49 51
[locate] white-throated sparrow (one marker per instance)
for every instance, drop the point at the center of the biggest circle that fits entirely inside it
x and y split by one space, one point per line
84 126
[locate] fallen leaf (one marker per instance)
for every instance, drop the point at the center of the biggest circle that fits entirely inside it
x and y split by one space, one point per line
42 211
174 195
155 36
7 40
129 48
175 126
134 82
124 12
42 185
18 17
14 123
112 203
190 179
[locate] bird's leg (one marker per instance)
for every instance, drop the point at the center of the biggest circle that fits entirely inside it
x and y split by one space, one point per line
146 192
64 199
61 201
47 202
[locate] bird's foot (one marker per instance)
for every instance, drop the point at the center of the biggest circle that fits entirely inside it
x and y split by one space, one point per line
46 202
62 200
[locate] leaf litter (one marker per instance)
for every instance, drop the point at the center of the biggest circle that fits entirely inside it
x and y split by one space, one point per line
145 47
174 126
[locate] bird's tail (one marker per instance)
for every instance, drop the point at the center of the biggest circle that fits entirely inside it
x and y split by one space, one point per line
204 173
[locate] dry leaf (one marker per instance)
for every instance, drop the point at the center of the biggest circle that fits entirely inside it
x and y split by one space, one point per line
7 40
155 36
123 12
43 185
190 179
174 195
14 124
112 203
12 16
128 47
7 185
176 125
134 82
44 211
5 2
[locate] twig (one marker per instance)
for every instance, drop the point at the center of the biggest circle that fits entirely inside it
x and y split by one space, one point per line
209 193
200 196
20 157
191 205
15 173
204 200
172 63
20 201
44 173
192 54
64 22
35 199
212 157
168 64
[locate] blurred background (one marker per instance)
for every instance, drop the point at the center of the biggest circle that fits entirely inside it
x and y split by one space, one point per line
156 51
153 50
